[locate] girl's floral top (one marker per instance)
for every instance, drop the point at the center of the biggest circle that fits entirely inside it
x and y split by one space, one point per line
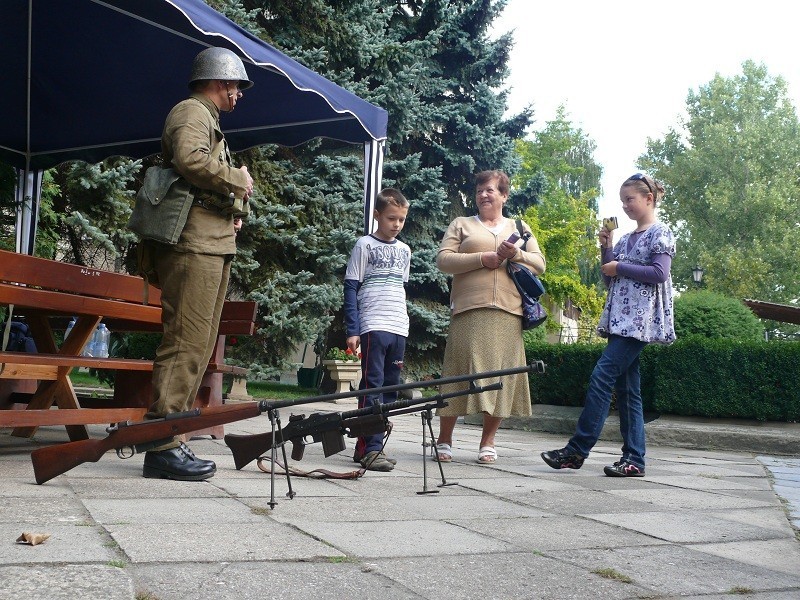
643 311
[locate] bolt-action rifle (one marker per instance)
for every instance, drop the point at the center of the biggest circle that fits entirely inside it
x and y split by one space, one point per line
130 437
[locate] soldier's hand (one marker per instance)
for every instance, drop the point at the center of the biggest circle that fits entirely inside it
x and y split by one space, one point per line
249 191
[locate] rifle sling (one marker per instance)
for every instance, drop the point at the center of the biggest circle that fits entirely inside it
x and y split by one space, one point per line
314 473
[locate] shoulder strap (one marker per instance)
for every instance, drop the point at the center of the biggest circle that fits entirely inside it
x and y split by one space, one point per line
522 233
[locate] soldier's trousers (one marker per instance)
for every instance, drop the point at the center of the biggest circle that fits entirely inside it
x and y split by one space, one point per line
193 288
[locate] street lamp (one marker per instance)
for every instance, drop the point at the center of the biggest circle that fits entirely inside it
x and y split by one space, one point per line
697 274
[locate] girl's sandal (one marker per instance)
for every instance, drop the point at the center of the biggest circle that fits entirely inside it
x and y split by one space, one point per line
445 452
487 455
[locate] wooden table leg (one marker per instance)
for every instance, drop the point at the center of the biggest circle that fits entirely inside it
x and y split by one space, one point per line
60 391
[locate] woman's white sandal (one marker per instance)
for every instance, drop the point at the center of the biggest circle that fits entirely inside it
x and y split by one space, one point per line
445 452
487 455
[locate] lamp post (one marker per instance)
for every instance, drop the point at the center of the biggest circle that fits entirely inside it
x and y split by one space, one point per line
697 275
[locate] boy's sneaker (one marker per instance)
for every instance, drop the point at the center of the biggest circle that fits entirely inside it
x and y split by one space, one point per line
376 461
624 468
358 457
563 459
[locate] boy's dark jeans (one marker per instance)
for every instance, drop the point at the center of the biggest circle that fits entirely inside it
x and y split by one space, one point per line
381 364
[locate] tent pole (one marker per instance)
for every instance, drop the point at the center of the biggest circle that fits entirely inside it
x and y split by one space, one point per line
28 191
373 175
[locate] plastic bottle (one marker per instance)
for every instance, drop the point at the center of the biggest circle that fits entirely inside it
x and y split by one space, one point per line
69 328
101 339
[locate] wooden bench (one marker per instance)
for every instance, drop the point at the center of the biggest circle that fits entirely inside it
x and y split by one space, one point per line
45 293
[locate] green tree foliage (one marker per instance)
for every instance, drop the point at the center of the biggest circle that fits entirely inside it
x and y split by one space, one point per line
707 314
432 66
559 161
732 171
83 212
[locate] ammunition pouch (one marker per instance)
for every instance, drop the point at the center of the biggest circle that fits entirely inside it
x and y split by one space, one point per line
162 206
225 205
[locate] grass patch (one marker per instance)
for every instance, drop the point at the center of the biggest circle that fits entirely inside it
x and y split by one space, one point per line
261 511
120 564
341 559
82 379
273 390
740 590
612 574
145 596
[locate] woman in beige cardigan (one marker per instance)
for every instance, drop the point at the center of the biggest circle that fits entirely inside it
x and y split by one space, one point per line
486 314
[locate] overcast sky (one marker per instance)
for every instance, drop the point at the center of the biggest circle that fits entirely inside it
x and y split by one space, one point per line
623 69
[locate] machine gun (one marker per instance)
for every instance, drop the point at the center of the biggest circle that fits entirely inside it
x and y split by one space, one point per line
331 427
129 437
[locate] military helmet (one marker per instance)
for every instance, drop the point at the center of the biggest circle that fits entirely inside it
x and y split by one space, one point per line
219 63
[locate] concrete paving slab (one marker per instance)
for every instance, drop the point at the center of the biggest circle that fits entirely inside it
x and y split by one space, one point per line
65 582
680 571
696 482
217 542
515 485
689 499
121 488
582 502
45 511
74 543
522 576
303 486
555 532
742 593
378 539
27 488
174 511
443 507
335 510
318 580
774 555
773 517
687 527
718 471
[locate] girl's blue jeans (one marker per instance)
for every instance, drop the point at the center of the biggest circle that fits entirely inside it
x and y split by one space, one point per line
617 369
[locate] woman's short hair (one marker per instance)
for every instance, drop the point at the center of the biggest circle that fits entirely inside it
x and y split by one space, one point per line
503 184
389 196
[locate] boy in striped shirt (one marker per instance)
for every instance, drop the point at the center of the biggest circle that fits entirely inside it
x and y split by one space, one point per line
375 312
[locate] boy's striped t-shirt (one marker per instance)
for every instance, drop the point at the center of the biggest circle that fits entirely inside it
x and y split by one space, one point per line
382 268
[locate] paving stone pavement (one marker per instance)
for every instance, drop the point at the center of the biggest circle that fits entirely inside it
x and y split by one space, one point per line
702 524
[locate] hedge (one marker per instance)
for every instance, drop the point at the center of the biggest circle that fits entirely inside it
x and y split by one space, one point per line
694 377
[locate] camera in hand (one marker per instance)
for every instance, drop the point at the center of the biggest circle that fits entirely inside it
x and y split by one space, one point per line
610 223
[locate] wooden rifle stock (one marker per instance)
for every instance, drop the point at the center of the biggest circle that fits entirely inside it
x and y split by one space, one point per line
52 461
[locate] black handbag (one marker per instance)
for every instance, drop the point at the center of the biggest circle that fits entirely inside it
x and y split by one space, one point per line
529 287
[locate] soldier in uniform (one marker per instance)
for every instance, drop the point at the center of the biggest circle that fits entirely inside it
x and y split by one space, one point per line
194 273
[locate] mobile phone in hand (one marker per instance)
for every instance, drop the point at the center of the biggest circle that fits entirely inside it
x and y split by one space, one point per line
513 238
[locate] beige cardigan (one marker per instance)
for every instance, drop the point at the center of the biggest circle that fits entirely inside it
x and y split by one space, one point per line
475 286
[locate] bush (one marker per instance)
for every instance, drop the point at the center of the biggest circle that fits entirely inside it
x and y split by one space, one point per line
719 378
710 315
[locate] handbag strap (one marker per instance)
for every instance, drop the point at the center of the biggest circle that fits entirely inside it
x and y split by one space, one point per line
523 234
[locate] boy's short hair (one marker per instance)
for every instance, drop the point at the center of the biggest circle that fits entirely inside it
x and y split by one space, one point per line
389 196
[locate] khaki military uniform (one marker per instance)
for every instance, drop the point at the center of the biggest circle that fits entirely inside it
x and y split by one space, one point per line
194 273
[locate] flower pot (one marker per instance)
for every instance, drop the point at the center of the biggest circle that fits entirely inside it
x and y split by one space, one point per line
309 377
344 372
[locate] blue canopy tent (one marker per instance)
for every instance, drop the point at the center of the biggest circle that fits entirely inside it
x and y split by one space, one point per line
89 79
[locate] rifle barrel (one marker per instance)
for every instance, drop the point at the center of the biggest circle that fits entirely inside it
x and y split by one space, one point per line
537 366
